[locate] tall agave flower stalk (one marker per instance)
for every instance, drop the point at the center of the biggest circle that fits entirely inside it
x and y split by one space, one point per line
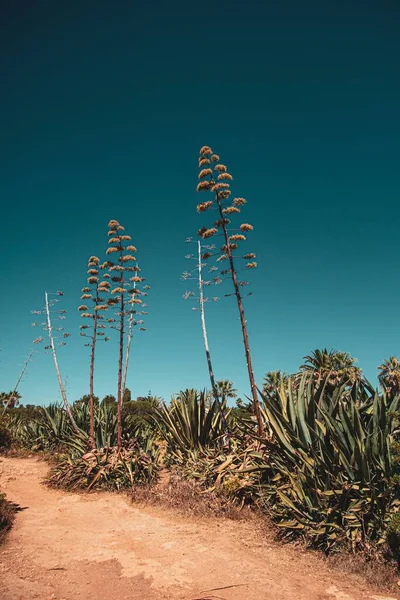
92 294
203 251
134 321
215 178
120 269
20 376
52 314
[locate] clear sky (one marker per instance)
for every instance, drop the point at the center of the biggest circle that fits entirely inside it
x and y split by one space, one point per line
103 108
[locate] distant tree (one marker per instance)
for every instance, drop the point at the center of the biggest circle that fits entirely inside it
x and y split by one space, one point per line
10 399
242 410
127 397
273 380
389 375
226 390
331 367
109 399
86 400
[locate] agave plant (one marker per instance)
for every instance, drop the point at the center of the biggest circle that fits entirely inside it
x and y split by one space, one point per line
107 468
192 421
331 463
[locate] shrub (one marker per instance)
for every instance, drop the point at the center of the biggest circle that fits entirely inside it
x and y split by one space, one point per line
7 511
5 435
331 464
107 468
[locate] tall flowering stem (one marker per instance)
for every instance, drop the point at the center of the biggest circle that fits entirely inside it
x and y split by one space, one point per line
91 294
203 251
134 321
215 178
20 376
119 245
52 347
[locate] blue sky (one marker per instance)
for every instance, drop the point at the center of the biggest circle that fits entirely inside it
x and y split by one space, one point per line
104 107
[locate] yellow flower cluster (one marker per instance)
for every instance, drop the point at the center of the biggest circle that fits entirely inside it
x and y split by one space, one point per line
246 227
239 201
205 173
205 151
237 237
209 232
203 206
230 209
203 186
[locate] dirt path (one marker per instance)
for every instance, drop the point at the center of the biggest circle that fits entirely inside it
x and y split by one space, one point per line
98 546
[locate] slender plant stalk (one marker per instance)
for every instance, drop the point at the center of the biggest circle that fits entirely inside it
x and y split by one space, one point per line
219 184
117 299
204 329
91 382
53 351
128 348
92 291
205 338
252 380
120 361
18 381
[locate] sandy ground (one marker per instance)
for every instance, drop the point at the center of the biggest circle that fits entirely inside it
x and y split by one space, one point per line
99 546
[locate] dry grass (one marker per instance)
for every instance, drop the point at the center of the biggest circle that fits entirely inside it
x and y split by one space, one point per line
188 498
375 570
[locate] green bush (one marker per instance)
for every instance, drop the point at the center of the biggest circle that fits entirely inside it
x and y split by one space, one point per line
5 434
393 535
331 464
106 468
7 513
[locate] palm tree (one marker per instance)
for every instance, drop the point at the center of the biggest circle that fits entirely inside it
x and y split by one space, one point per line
332 367
274 379
226 390
10 399
389 375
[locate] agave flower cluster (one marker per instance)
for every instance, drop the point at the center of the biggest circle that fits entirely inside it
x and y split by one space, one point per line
215 179
93 295
125 296
124 273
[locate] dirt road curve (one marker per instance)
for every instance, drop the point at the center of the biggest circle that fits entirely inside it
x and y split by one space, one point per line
100 547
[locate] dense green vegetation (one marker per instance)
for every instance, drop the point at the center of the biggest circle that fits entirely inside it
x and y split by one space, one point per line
327 469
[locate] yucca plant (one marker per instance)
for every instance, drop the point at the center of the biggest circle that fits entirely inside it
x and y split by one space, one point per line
330 462
214 178
92 293
107 468
191 421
